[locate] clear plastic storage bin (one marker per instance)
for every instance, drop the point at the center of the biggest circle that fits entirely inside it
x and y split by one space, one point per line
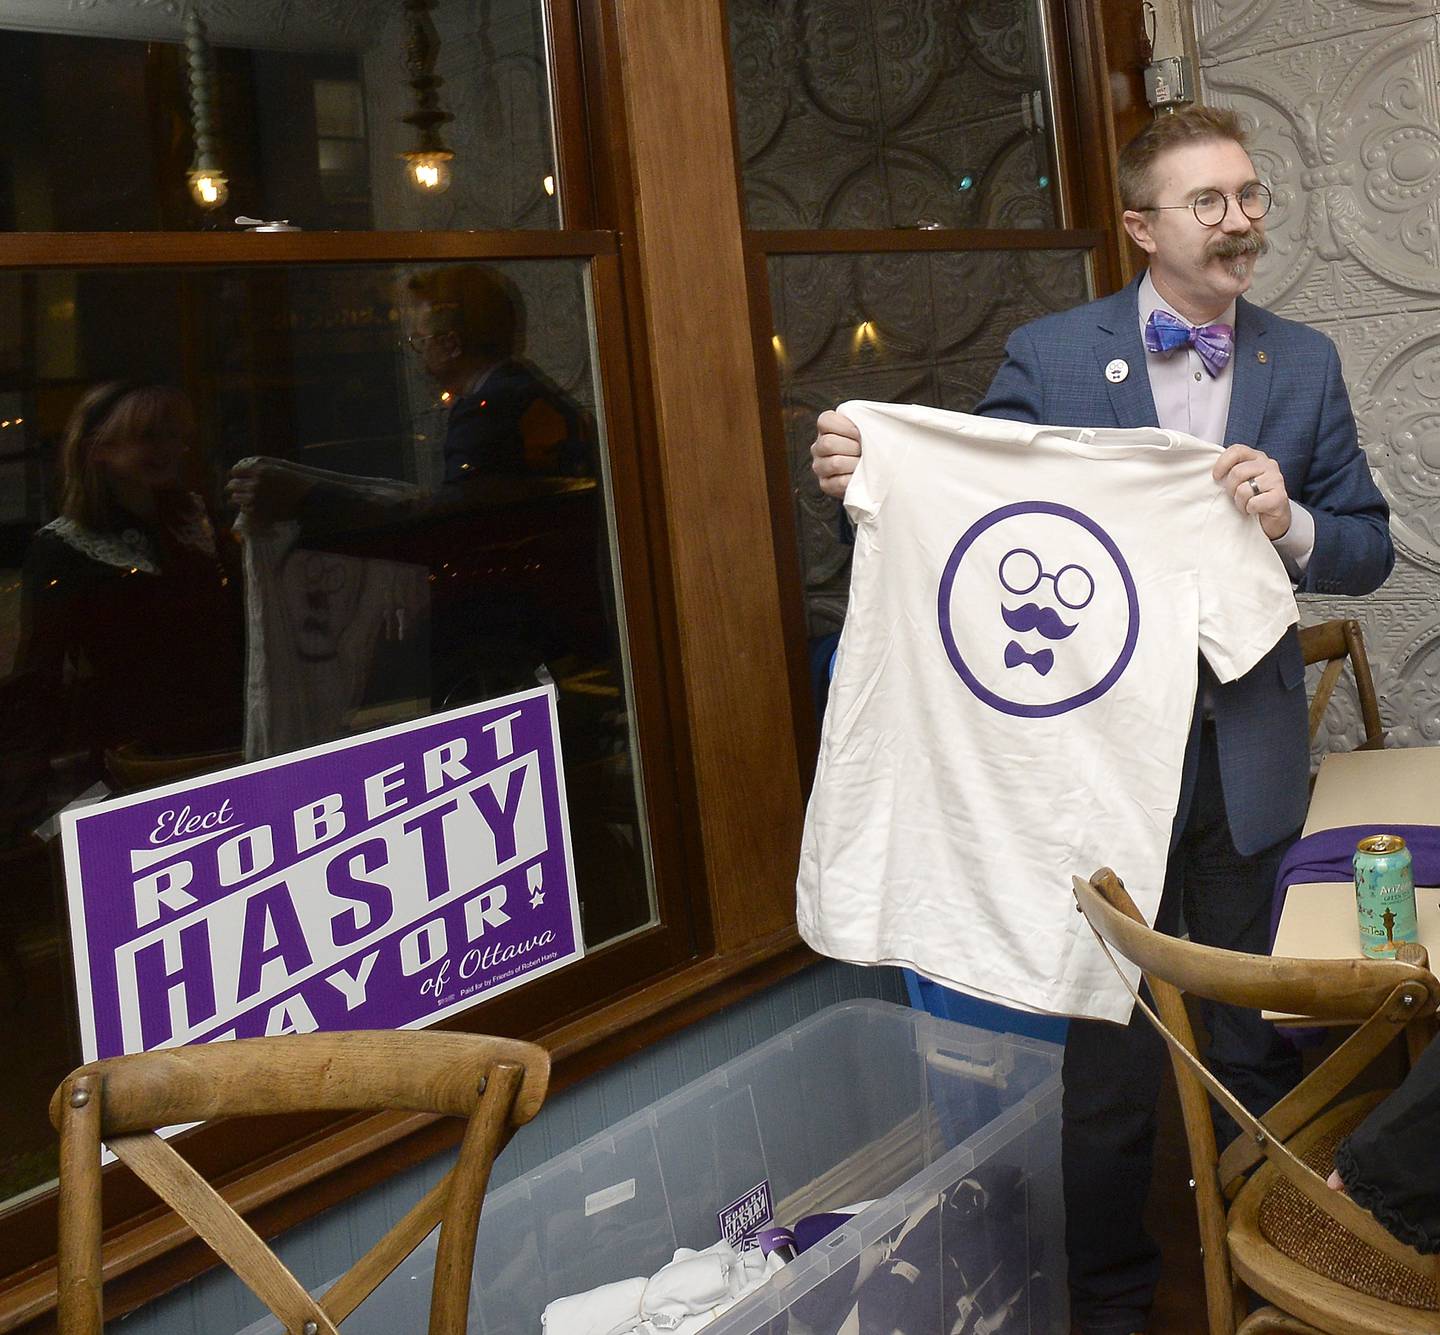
953 1132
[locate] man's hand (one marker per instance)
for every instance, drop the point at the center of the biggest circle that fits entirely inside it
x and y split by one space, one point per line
1256 486
265 490
835 453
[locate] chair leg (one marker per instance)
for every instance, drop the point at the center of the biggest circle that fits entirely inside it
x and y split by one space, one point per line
1272 1321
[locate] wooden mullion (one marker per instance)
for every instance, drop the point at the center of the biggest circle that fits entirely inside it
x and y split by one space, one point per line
574 172
851 241
784 534
91 250
650 618
1083 135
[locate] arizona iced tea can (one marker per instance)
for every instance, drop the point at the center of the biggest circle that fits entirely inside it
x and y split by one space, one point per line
1384 894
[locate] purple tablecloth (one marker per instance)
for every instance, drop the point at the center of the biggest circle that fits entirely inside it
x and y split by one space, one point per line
1326 856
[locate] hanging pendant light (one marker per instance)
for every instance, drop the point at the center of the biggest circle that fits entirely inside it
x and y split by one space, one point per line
208 185
427 165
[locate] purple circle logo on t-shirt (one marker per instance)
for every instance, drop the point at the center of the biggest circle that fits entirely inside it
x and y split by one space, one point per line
1038 610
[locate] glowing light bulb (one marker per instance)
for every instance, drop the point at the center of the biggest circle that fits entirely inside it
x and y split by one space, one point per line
208 188
428 173
549 185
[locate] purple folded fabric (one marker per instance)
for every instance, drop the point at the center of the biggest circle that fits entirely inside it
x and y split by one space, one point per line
1326 856
815 1228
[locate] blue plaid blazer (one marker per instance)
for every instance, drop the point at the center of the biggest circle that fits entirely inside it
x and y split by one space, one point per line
1289 402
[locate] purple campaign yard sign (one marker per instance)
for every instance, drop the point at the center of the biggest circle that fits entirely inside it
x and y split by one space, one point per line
380 882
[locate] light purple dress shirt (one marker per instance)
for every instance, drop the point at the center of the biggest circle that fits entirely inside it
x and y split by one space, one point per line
1188 399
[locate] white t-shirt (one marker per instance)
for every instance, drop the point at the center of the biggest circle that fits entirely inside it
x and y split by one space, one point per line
1014 689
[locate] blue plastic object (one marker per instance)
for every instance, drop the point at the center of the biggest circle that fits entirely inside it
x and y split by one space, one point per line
947 1004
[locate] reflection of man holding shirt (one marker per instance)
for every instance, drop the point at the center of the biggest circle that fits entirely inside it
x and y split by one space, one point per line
512 538
504 418
1181 349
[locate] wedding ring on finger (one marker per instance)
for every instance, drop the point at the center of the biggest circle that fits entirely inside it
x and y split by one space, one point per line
1255 488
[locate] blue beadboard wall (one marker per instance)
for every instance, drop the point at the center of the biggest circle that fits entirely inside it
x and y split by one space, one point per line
217 1303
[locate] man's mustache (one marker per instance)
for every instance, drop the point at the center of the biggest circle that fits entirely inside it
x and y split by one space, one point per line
1232 247
1031 616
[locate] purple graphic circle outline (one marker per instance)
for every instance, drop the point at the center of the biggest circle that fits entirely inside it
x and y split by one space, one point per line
952 650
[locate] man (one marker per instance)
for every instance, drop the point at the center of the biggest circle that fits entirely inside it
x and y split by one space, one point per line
513 536
504 418
1160 353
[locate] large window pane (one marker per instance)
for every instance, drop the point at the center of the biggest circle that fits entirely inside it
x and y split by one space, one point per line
304 108
924 328
865 113
428 524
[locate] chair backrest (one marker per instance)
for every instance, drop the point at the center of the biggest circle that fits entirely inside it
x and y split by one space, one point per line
1331 642
1386 998
497 1084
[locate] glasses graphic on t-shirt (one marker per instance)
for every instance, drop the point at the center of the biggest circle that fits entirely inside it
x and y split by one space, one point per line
1038 610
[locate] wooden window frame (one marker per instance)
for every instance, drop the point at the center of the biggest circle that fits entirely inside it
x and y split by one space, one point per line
680 935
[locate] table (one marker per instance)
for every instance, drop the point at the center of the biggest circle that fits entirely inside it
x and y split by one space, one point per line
1399 787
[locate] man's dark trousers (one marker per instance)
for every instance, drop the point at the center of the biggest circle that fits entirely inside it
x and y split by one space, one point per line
1112 1073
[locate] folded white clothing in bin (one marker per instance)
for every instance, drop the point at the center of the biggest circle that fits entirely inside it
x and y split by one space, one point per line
612 1309
703 1283
684 1287
680 1298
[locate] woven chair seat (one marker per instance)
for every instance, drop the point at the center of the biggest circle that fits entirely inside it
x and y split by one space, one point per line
1292 1225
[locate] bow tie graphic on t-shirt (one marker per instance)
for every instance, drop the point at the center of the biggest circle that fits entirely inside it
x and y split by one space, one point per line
1213 342
1042 660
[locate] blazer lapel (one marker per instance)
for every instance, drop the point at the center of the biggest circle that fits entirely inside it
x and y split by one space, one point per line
1118 340
1250 386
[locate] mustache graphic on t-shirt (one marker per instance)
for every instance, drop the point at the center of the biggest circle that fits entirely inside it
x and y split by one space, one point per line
1031 616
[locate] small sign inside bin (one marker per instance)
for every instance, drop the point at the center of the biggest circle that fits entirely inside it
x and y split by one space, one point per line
741 1220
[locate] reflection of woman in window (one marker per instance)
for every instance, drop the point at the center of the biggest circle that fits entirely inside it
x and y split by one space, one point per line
130 632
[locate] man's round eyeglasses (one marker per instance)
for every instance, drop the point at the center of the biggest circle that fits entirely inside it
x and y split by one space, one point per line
1211 206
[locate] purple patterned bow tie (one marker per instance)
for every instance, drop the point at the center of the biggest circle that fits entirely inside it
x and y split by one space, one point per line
1165 332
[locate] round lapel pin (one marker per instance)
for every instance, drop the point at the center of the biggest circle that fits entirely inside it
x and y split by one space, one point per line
1117 370
1261 357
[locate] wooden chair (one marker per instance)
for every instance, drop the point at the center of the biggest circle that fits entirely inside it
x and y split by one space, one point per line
1320 1262
497 1084
1331 642
131 768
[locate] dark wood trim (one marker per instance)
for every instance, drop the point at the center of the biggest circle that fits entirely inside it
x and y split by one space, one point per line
783 531
862 241
1065 131
640 497
574 177
1110 41
161 1253
598 47
712 466
91 250
651 625
780 486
